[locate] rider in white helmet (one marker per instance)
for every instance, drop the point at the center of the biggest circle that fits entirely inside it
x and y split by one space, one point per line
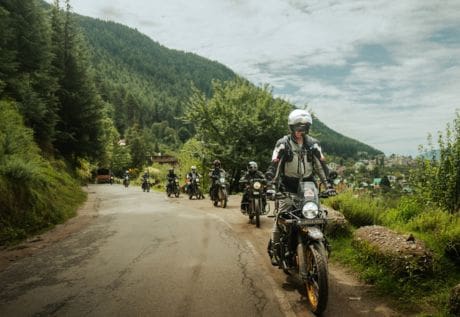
296 156
193 174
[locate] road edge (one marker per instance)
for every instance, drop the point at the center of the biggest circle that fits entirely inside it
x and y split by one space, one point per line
34 244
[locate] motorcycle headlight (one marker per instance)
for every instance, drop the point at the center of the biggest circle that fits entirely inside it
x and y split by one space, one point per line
310 210
257 185
222 180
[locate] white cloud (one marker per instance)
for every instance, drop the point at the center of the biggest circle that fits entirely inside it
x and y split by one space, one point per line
391 101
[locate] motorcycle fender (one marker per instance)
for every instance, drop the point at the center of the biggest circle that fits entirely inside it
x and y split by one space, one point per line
302 256
315 233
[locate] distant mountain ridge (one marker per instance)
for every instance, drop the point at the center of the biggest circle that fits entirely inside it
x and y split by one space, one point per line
147 82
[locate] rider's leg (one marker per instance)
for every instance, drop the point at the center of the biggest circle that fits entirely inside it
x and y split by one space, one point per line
284 206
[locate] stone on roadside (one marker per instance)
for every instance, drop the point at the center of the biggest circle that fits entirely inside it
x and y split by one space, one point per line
337 225
404 255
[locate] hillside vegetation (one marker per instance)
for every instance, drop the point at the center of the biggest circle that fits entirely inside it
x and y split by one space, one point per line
75 86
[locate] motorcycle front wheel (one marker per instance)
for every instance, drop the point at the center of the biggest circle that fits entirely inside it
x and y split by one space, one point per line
257 212
316 283
223 197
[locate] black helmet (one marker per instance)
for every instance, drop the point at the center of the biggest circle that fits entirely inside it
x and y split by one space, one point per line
252 166
216 163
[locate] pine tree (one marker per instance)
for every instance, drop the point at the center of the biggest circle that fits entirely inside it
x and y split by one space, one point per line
80 107
25 68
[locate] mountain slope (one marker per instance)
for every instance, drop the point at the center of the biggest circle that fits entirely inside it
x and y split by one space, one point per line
147 82
337 144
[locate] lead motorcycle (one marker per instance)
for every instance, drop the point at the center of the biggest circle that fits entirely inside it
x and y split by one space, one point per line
303 248
220 195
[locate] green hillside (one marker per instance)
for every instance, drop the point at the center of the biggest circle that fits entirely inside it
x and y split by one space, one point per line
337 144
147 82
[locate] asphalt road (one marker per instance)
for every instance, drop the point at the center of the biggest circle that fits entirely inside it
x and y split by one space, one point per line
149 255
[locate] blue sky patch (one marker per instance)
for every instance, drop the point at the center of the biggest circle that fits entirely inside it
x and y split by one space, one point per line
373 54
449 35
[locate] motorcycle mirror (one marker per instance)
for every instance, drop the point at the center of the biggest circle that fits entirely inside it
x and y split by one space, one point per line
333 175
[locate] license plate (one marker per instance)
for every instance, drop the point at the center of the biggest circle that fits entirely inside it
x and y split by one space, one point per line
316 221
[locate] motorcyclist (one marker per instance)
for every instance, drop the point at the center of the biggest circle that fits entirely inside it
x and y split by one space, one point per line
145 178
214 175
126 178
296 156
252 172
193 174
171 177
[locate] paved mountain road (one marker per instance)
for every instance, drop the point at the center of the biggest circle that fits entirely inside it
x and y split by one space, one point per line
149 255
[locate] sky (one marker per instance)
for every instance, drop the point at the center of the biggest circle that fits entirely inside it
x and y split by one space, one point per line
386 73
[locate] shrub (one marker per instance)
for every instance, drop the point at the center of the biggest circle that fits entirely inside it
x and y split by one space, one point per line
359 210
407 209
83 171
33 195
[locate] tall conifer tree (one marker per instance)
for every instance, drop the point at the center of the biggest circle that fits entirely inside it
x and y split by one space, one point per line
80 109
25 68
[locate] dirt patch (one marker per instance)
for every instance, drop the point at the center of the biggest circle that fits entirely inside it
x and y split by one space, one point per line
87 212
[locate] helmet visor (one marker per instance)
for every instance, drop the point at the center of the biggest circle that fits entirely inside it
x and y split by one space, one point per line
300 127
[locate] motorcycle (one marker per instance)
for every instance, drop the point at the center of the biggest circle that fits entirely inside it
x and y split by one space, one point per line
173 188
194 188
126 181
220 195
257 199
303 249
145 185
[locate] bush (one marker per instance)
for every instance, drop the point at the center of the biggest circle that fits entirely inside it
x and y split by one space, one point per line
441 230
437 180
359 210
83 171
33 195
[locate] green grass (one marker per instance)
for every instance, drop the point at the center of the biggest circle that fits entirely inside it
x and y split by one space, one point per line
427 295
415 295
34 194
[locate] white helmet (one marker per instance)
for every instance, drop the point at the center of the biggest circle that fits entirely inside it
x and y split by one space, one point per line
299 120
193 167
252 166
